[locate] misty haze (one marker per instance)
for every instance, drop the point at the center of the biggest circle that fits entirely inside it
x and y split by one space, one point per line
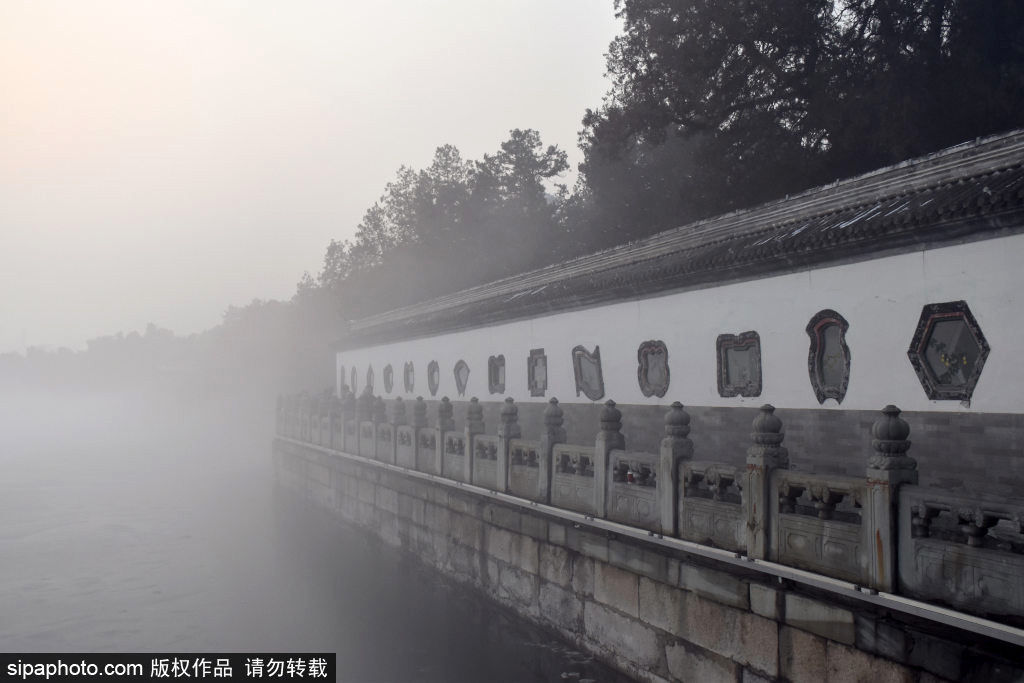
515 342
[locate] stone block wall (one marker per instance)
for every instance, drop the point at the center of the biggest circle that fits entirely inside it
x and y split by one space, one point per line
654 613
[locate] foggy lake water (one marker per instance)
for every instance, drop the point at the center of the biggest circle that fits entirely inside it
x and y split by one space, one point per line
131 523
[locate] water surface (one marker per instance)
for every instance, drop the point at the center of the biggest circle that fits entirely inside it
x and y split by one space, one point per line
148 523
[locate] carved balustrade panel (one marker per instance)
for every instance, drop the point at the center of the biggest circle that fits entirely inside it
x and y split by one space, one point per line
485 461
633 489
405 448
816 524
426 449
454 456
962 550
572 478
385 442
367 439
711 505
524 463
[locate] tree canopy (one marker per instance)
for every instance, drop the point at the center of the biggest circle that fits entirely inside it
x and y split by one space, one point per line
453 224
719 104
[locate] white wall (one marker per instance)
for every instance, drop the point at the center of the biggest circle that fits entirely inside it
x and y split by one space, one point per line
881 300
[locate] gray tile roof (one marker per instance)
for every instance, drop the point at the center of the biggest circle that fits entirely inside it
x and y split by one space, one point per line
968 192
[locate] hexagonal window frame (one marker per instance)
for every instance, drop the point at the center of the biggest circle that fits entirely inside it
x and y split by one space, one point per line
944 312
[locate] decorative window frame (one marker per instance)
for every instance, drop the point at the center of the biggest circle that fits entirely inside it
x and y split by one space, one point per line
409 377
579 355
536 359
433 377
496 369
461 382
724 344
815 330
369 377
647 349
389 378
934 313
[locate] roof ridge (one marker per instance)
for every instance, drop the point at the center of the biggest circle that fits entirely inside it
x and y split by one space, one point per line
969 160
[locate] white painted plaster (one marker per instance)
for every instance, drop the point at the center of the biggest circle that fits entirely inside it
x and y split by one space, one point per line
881 299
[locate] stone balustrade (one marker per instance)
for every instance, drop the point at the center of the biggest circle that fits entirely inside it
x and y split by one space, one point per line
817 525
881 531
711 505
962 550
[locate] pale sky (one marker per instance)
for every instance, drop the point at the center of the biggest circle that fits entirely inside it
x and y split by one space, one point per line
160 160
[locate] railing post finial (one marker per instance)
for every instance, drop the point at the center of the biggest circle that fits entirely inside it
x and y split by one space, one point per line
509 420
445 421
419 413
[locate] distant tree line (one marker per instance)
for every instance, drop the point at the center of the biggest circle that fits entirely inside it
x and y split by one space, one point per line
451 225
714 105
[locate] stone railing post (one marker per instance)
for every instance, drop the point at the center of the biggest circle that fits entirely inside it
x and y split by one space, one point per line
386 451
348 414
380 410
888 467
508 430
553 434
419 421
419 413
765 455
314 420
675 447
398 416
336 428
323 420
474 426
364 413
445 423
609 438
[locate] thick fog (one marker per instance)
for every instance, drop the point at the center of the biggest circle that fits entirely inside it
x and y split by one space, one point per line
160 161
146 520
162 165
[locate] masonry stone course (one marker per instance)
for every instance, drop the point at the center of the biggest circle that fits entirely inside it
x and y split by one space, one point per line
610 630
715 586
845 664
817 617
617 588
690 663
555 564
662 606
765 601
560 606
802 656
739 635
638 560
583 575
